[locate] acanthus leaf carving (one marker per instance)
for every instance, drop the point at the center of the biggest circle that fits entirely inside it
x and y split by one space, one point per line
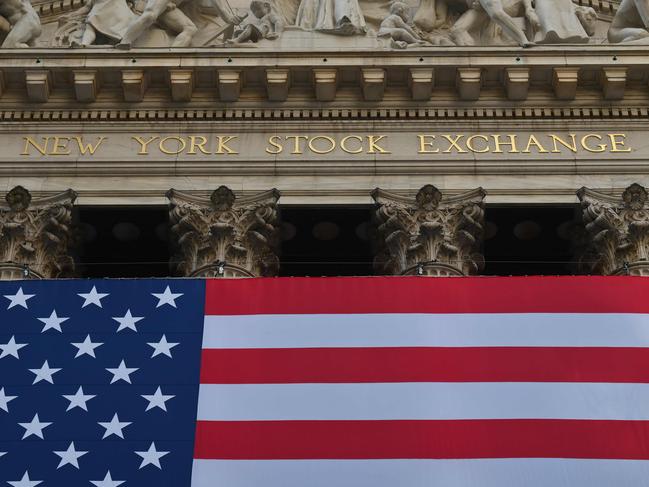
618 231
429 234
225 236
35 235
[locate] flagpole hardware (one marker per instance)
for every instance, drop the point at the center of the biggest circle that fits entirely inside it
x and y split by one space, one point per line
625 266
220 267
25 270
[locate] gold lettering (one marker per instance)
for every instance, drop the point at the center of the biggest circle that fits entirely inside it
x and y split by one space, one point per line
567 145
91 149
343 144
511 144
424 143
599 147
533 141
274 141
469 143
180 147
222 144
60 147
373 141
296 142
312 148
454 143
31 142
615 143
144 144
193 144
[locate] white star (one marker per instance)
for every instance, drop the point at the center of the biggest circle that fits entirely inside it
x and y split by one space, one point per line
3 453
151 456
34 427
114 427
127 321
157 399
18 299
86 347
25 481
167 297
70 456
44 373
163 347
53 322
93 297
4 400
78 399
11 348
122 372
107 482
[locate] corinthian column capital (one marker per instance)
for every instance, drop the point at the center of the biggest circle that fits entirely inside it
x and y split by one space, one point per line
35 235
618 231
225 236
429 234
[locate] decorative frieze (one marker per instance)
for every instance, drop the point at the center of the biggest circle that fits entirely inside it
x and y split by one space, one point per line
35 235
225 236
618 232
429 234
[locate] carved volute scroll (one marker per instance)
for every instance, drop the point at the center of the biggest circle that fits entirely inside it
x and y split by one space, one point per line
618 231
225 236
35 235
429 234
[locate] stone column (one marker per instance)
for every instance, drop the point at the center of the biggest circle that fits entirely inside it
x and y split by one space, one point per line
429 234
617 231
35 235
225 236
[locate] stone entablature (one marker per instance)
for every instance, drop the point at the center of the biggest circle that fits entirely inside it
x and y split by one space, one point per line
484 77
35 235
429 235
617 231
225 236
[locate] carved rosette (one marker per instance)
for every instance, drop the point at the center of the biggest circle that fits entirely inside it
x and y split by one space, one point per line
35 235
429 235
225 236
618 232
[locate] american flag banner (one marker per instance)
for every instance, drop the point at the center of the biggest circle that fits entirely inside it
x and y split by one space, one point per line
322 382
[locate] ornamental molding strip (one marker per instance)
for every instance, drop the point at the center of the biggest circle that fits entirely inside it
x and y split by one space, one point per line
617 230
429 234
35 235
225 236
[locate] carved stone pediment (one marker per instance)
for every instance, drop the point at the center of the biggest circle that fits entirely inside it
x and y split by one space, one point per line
225 236
618 231
35 235
429 234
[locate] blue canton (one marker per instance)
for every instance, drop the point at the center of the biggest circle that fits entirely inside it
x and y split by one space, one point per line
99 382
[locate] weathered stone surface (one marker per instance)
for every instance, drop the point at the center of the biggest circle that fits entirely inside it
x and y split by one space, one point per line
35 235
225 236
428 234
618 231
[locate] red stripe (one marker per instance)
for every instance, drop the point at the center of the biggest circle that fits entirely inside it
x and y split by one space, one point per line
569 294
471 364
267 440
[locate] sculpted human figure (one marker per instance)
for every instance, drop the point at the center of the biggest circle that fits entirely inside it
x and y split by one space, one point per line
110 18
631 22
269 25
167 14
21 22
396 27
343 17
500 12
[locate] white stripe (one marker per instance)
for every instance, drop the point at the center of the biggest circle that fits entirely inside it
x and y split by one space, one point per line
423 400
527 472
427 330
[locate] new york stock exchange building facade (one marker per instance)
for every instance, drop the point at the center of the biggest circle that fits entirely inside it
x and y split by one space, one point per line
323 137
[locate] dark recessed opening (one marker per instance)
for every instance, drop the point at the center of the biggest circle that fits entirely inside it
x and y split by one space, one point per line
122 241
325 241
528 240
